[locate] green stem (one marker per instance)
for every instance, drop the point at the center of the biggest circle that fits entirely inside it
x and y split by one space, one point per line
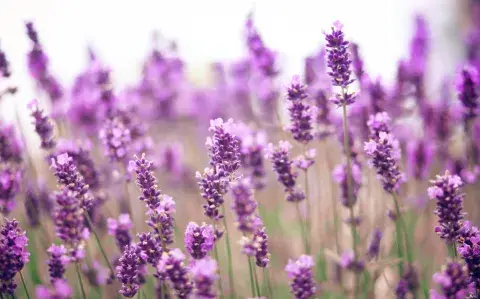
346 145
408 248
302 228
266 277
79 276
24 285
257 287
229 256
92 227
215 250
308 217
250 270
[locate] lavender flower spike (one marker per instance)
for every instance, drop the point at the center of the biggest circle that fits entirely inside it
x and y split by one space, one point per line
172 265
60 290
146 181
467 84
469 250
199 239
150 244
453 281
43 126
244 206
57 261
449 199
384 155
300 112
339 62
120 230
10 181
116 138
13 254
128 270
204 274
282 165
224 147
300 274
340 176
374 245
257 247
161 219
213 187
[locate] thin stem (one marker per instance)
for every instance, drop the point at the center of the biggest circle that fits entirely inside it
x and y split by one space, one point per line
257 287
302 228
24 285
229 256
408 248
215 250
79 276
346 145
266 277
250 270
92 228
308 217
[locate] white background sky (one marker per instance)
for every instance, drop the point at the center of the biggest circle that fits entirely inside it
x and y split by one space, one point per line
207 30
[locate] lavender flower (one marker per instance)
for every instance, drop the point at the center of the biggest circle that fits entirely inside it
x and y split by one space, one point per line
257 247
43 126
199 240
204 275
338 60
69 222
306 160
384 155
244 206
374 246
252 145
116 138
172 265
224 147
357 62
466 84
469 250
161 219
13 254
10 179
377 96
379 122
263 57
60 290
57 262
68 176
349 262
150 244
419 158
97 274
10 145
213 187
340 176
129 270
299 272
408 283
300 112
324 118
120 230
449 199
146 181
282 165
453 281
4 65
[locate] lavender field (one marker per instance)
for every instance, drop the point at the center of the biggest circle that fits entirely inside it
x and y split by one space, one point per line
332 184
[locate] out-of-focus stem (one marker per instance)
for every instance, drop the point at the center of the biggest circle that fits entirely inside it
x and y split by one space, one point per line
250 270
92 227
401 220
346 145
302 228
79 276
229 256
266 277
308 216
257 287
24 285
215 251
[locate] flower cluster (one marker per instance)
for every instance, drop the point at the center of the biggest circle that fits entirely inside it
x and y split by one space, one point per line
10 180
116 137
257 247
120 230
419 158
469 250
340 176
60 290
172 265
128 270
213 187
379 122
10 145
244 206
13 254
161 219
282 165
453 281
224 147
263 57
204 275
146 181
43 126
302 284
374 246
300 112
252 145
349 262
57 261
467 85
150 244
199 239
4 65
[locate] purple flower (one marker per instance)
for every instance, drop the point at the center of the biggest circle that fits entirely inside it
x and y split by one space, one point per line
150 244
377 95
338 60
97 274
129 270
146 181
323 114
449 199
172 265
419 157
379 122
244 205
4 65
251 148
224 147
199 240
304 162
466 84
69 222
57 262
120 230
257 247
32 207
282 165
453 281
348 262
300 112
116 138
262 57
161 219
13 254
340 176
10 179
213 187
10 145
68 175
408 283
43 126
60 290
357 62
204 275
384 154
374 245
469 250
300 274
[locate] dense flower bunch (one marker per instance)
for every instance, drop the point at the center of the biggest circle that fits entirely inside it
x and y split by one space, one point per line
117 138
453 281
302 284
43 126
408 283
146 181
13 254
60 290
282 165
162 219
300 112
150 244
467 85
257 247
11 146
469 250
213 187
251 149
4 65
57 262
10 180
120 230
340 176
32 207
244 206
449 199
128 270
224 147
204 275
374 246
379 122
419 158
199 239
172 265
